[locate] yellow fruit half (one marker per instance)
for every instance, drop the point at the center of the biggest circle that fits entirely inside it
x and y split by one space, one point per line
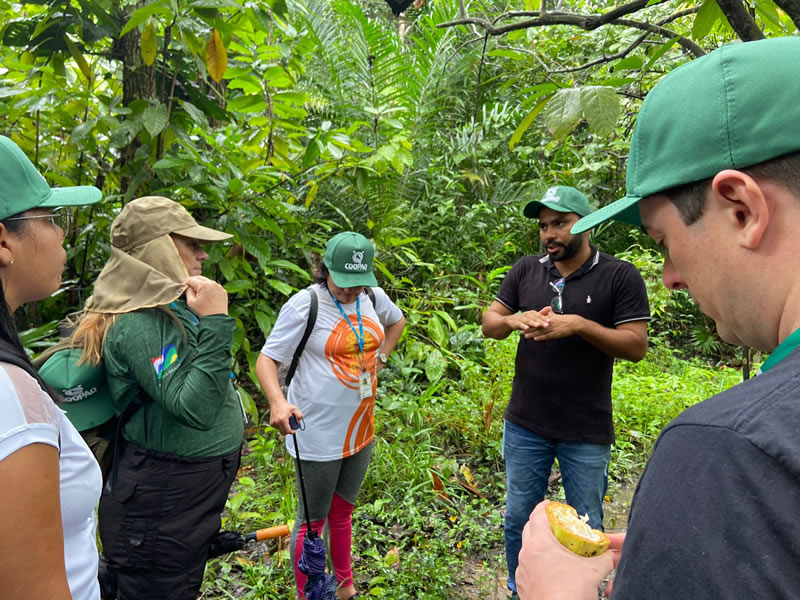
574 532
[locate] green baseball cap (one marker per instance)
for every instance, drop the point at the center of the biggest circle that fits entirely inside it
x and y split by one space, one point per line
23 188
733 108
348 257
561 198
87 400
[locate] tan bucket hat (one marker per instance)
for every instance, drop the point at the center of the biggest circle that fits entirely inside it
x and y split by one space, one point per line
145 269
150 217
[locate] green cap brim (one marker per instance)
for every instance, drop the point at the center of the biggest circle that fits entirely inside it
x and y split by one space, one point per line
533 208
625 210
90 412
348 280
72 196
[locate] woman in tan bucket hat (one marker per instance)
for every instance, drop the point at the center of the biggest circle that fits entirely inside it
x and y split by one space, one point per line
163 333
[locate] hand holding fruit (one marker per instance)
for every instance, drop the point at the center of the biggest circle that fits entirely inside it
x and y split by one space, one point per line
549 571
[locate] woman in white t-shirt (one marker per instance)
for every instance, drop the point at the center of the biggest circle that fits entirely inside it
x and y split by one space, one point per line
50 480
333 391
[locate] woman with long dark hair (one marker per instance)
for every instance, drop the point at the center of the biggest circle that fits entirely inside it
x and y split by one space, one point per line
50 480
333 392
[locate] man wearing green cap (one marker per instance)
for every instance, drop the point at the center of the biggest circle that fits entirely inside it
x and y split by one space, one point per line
576 310
714 177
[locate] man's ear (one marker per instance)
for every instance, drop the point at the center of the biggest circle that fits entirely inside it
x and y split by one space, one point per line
744 205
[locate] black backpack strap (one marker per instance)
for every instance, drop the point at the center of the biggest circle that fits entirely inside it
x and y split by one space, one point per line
371 294
312 318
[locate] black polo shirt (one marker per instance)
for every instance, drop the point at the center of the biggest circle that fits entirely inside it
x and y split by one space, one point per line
562 388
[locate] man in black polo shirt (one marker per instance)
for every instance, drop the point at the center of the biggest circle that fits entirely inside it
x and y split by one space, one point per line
576 310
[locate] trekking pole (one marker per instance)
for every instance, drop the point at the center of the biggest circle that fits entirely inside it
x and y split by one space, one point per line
295 425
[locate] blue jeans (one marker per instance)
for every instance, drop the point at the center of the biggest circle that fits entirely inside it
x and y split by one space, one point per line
529 458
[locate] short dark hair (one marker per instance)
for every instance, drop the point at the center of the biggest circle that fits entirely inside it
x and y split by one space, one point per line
690 198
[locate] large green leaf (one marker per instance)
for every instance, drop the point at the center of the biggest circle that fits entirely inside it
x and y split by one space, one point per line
154 119
239 285
526 122
79 58
281 286
563 112
248 404
160 7
708 16
770 17
435 364
149 45
437 331
601 108
248 103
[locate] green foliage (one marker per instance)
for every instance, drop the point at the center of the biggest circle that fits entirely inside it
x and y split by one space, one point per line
434 493
285 122
648 395
599 105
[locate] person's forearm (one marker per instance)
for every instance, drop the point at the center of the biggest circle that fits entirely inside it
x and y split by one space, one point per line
392 336
619 343
30 507
495 325
280 411
267 373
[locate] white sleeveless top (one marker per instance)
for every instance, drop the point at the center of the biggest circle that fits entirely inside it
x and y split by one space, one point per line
29 416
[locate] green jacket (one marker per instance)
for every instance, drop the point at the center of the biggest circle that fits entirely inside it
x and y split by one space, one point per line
195 410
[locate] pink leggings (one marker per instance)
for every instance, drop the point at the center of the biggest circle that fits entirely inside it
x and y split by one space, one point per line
331 489
340 530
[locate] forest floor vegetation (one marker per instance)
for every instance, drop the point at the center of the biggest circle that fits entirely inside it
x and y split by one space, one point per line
428 523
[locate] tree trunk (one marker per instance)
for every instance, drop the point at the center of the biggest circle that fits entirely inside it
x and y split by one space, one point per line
741 21
747 363
138 83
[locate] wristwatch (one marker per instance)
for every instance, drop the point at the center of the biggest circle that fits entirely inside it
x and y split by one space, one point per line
383 358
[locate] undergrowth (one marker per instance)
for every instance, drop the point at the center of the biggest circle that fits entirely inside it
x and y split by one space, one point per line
433 498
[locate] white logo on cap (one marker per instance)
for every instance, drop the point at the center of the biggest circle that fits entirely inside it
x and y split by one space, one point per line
357 264
551 195
78 393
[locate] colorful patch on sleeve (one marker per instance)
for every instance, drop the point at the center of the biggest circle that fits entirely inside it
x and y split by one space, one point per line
168 356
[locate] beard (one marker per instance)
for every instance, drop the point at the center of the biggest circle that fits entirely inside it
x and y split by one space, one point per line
568 250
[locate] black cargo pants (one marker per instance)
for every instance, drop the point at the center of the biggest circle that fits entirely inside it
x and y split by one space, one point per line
159 519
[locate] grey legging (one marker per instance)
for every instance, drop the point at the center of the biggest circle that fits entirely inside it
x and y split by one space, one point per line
322 479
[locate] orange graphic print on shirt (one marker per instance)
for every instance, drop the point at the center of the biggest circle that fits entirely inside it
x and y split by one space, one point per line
343 354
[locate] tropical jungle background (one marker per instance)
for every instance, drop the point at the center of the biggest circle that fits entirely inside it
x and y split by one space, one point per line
286 121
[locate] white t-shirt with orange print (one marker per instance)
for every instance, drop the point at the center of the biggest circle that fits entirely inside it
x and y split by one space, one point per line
337 422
